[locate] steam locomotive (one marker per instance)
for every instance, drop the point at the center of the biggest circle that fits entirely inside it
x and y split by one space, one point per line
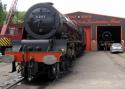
51 41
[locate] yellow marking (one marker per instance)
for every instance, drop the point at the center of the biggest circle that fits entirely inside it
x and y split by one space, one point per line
2 42
5 41
9 41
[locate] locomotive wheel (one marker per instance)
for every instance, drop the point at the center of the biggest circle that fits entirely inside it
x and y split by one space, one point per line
28 71
30 66
71 54
54 72
22 69
63 66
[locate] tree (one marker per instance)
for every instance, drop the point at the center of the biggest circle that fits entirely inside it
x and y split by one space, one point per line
19 17
2 12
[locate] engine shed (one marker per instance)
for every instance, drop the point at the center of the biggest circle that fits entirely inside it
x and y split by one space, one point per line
100 29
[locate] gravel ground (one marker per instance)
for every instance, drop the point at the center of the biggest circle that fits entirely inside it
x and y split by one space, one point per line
94 70
5 76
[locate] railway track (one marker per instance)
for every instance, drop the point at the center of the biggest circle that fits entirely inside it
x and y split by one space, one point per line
9 84
37 83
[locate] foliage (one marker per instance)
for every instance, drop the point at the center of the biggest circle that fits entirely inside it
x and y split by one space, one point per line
19 17
2 12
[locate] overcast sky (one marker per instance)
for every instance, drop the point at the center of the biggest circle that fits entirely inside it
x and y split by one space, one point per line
104 7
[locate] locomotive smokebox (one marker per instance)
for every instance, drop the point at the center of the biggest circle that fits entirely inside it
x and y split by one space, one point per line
42 21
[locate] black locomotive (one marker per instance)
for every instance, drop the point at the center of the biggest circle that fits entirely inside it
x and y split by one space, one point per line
51 41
